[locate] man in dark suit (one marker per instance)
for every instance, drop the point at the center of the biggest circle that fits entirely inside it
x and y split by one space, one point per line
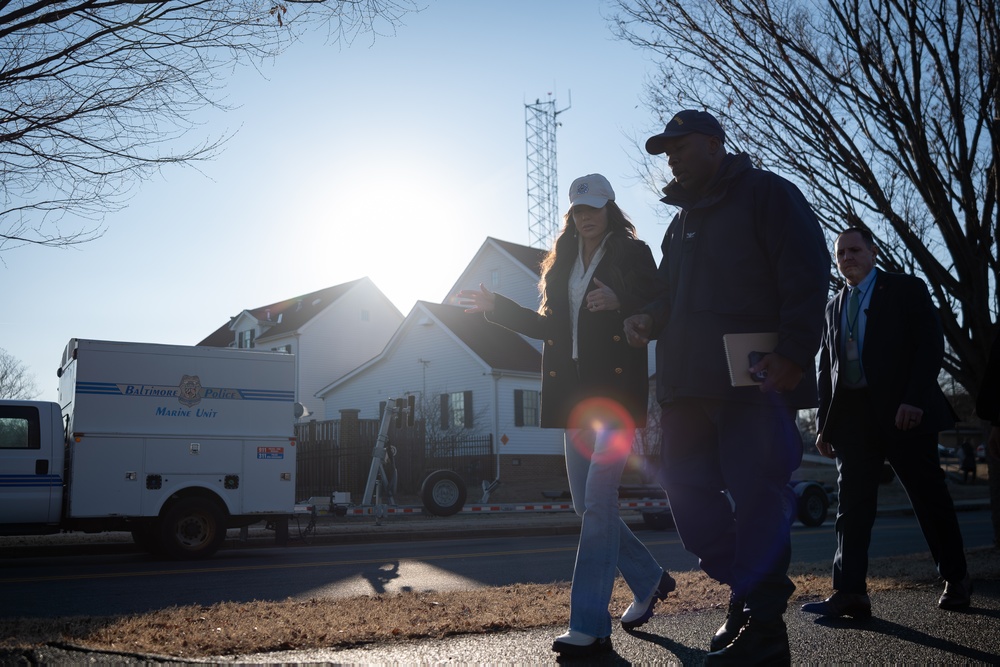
988 408
879 400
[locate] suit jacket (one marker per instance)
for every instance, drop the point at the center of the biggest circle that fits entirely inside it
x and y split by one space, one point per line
609 367
988 399
901 356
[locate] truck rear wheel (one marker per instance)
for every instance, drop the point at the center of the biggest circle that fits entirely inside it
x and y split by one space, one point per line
443 493
191 529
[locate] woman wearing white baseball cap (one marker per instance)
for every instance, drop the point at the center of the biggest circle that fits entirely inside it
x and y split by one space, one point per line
595 386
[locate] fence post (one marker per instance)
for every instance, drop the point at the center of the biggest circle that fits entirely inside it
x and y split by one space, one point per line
350 428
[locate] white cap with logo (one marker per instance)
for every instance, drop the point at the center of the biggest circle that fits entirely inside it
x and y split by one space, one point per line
591 190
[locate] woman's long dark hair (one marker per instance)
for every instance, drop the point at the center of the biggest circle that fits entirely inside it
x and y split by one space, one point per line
558 263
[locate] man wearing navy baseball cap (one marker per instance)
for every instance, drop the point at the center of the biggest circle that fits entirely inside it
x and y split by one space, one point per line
686 122
743 255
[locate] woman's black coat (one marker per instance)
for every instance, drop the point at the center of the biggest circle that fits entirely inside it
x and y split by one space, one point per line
608 367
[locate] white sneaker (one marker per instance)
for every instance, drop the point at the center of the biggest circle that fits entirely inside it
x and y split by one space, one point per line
575 644
633 616
641 611
575 638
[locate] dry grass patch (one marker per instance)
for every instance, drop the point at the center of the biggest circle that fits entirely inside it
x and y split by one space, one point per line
235 629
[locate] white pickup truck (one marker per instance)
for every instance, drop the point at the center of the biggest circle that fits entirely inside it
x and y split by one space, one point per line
172 443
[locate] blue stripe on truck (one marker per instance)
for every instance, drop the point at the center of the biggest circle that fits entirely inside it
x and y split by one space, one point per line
25 481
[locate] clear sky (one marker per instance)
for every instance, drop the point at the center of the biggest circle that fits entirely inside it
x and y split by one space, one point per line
393 160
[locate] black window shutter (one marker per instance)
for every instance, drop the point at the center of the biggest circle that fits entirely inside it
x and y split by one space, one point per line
518 407
444 410
468 409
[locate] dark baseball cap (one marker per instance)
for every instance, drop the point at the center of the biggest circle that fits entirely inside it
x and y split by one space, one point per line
686 122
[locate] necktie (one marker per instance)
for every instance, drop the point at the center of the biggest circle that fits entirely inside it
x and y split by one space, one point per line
852 369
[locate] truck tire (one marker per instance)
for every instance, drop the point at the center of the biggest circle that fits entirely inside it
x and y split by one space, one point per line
191 529
443 493
813 505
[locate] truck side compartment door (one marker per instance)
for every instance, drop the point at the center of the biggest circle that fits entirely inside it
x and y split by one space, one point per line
30 476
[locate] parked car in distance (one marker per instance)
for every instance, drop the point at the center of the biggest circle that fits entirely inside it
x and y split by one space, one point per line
808 501
946 452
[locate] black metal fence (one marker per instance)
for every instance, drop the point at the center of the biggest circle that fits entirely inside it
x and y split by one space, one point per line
329 461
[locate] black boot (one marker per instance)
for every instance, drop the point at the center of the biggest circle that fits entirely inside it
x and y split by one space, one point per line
758 643
736 618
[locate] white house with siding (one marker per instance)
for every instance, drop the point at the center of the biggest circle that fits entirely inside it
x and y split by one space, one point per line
468 374
330 331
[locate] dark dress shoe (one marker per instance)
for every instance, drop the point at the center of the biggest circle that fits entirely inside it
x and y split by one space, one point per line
855 605
957 594
596 647
638 614
758 643
736 618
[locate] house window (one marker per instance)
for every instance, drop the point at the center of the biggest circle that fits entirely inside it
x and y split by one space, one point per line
245 339
365 315
456 410
495 278
287 349
527 407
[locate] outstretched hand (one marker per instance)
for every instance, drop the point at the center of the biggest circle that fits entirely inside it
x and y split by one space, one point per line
477 301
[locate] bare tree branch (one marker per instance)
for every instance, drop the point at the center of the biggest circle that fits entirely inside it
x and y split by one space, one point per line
887 112
15 380
97 95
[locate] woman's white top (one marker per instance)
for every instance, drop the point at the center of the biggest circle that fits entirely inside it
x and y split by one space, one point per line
579 278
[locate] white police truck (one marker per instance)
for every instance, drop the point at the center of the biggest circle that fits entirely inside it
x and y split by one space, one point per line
175 444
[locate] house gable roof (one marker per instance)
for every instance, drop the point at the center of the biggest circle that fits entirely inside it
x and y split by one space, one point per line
497 348
531 258
283 316
527 259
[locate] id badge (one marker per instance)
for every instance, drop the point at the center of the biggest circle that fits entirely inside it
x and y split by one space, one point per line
851 350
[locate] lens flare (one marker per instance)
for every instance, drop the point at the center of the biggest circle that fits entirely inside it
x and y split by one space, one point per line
611 424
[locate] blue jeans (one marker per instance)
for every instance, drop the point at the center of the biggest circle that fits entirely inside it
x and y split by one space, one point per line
594 470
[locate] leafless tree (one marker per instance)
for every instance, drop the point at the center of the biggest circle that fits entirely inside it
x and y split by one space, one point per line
886 112
96 95
15 380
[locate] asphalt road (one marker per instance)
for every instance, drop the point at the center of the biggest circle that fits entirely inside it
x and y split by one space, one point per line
106 583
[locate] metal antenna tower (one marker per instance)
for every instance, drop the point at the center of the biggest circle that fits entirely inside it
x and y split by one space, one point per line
543 183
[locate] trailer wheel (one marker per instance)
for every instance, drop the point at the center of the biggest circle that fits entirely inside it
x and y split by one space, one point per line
813 505
443 493
191 529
